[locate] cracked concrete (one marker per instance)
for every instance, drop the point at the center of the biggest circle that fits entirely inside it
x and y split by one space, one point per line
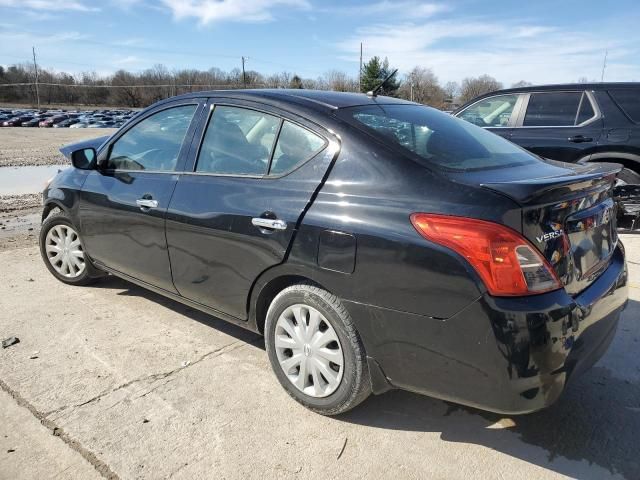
108 396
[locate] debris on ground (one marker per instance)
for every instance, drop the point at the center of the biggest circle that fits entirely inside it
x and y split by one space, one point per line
344 445
7 342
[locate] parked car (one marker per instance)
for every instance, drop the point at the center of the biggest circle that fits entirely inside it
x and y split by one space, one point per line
16 121
66 123
375 243
51 121
31 123
577 123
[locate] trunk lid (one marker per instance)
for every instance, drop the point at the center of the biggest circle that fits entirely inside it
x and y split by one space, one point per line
568 214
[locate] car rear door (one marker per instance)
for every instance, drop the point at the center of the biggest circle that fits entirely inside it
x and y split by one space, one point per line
562 126
124 202
254 171
496 113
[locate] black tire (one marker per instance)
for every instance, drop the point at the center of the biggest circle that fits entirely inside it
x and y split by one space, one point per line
90 273
629 177
355 385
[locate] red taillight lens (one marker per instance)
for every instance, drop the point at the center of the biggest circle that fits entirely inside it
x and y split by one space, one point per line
507 263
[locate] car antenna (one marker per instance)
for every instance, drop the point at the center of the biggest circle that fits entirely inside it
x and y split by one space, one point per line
375 91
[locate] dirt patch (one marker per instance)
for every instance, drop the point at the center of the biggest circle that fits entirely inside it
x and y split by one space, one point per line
20 228
39 146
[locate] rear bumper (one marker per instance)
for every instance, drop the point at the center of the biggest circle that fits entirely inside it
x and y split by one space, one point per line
508 355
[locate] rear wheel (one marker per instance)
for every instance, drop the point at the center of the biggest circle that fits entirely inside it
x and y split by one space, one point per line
629 177
63 253
315 350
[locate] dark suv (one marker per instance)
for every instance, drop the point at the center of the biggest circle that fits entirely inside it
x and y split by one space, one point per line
578 123
376 243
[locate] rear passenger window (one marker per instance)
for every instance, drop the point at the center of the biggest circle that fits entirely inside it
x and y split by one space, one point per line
295 145
238 141
552 109
629 101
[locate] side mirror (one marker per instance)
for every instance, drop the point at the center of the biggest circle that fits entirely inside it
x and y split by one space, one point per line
84 159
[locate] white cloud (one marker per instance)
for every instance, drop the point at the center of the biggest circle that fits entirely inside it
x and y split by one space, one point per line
49 5
506 50
400 8
210 11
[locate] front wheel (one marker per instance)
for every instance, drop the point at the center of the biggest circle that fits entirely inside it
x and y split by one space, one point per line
315 350
63 253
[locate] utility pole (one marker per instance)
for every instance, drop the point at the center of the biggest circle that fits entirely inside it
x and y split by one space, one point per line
35 66
360 71
604 64
244 76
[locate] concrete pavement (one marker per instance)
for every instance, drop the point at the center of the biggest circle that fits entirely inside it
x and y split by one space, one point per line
127 384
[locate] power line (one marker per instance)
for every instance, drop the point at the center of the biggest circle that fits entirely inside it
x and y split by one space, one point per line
170 85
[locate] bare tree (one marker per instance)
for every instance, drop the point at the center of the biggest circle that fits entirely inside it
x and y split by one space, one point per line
473 87
521 83
422 86
340 81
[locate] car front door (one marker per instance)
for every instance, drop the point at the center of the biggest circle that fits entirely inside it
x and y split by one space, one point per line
496 113
234 215
123 202
561 126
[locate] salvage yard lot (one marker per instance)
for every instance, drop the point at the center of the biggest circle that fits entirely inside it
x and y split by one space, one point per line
115 381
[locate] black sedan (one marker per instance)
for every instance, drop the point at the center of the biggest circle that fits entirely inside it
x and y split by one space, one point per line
375 243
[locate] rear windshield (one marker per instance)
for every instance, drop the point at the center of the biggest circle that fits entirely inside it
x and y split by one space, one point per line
437 137
629 101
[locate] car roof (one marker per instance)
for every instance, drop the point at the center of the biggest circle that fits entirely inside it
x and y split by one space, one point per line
567 86
321 100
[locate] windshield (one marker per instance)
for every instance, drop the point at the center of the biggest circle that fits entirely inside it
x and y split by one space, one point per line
435 136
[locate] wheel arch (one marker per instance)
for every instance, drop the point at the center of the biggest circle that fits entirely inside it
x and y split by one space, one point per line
266 290
50 206
626 159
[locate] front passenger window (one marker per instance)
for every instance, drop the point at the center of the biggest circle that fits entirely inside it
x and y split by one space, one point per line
154 143
491 112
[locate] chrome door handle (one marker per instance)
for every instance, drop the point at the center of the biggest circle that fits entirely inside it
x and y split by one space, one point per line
147 203
273 224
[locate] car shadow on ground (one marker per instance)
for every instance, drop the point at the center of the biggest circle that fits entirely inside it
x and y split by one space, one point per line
131 289
596 421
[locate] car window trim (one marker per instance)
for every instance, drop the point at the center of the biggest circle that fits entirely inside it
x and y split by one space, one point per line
211 106
589 94
515 112
105 150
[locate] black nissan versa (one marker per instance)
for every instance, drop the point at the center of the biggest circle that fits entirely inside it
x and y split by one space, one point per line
374 242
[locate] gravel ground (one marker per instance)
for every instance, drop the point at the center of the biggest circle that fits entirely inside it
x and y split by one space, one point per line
21 147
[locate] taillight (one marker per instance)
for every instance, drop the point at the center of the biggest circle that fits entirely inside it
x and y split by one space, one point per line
506 262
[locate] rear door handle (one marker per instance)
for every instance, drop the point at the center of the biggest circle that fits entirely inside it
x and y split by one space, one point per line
145 203
580 139
270 223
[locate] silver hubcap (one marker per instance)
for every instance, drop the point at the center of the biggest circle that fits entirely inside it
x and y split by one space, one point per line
309 351
64 251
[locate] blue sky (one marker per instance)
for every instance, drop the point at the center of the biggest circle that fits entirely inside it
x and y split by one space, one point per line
539 41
